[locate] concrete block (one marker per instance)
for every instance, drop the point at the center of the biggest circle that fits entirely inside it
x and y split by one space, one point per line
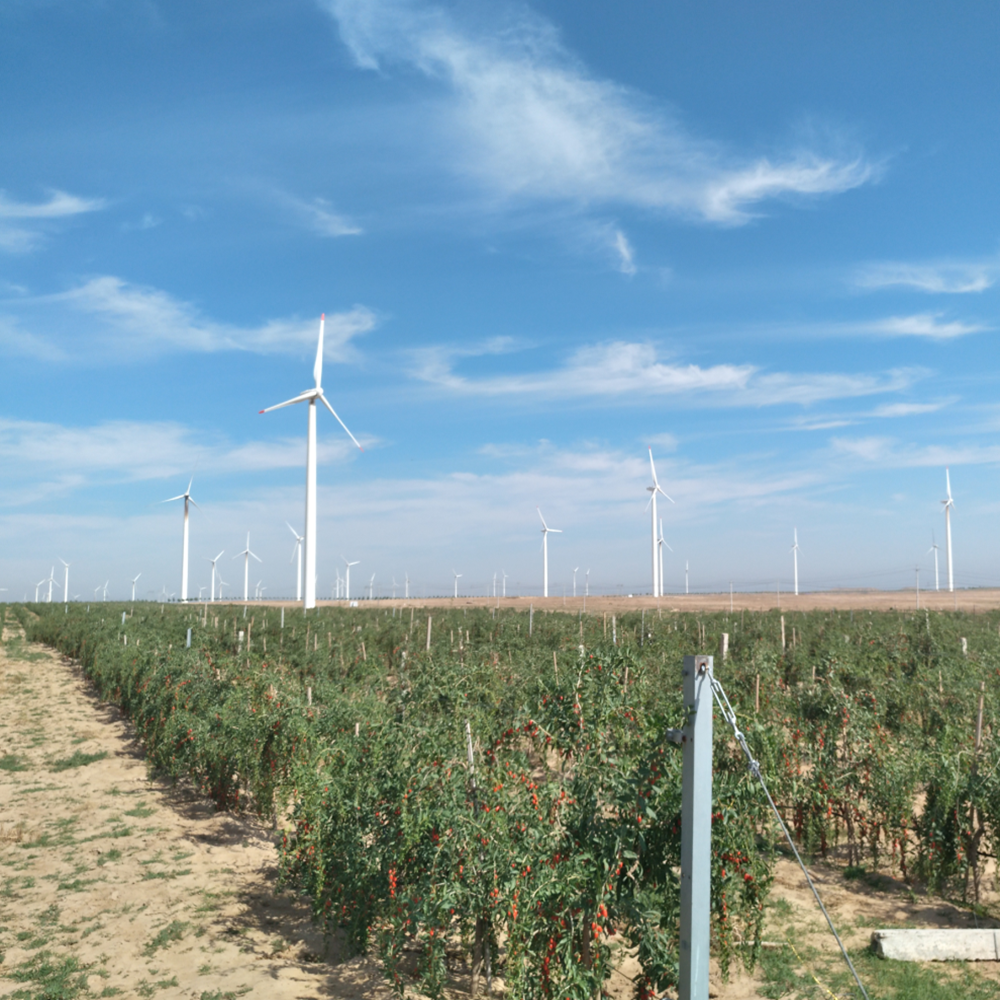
935 945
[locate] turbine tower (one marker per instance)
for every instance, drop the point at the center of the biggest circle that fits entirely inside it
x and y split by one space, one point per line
457 576
135 580
213 562
660 545
545 552
653 490
298 549
576 569
795 558
186 497
310 396
65 580
51 580
246 553
934 549
948 504
347 574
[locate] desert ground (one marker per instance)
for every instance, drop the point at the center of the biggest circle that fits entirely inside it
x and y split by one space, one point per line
115 883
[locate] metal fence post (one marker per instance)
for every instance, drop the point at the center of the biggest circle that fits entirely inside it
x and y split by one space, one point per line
696 829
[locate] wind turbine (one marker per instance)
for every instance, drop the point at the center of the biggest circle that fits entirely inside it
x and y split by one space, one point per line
586 584
687 589
795 558
65 580
310 396
97 590
51 580
371 588
213 562
948 504
457 576
299 539
135 579
406 577
653 490
545 552
105 588
660 545
575 571
347 574
201 590
186 497
503 574
246 553
934 549
394 586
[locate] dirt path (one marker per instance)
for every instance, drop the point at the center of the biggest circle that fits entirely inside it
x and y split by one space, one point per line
112 884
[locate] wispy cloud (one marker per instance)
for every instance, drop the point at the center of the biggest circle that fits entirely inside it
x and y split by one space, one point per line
928 325
626 257
133 451
949 277
135 320
317 215
626 370
890 453
529 120
27 232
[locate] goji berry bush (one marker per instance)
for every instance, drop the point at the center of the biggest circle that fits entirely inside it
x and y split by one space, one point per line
556 853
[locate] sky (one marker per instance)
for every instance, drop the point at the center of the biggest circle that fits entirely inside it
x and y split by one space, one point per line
762 241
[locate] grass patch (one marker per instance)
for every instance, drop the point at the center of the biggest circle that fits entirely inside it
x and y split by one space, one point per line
141 810
77 885
78 759
62 978
113 855
174 931
11 762
224 995
147 876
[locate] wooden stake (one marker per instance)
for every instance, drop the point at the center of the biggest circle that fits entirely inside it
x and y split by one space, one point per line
723 646
309 696
782 633
429 620
555 664
364 655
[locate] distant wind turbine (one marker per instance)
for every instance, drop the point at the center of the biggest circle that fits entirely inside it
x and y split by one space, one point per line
934 549
406 577
457 576
187 498
105 588
586 587
213 562
653 490
795 558
299 539
347 577
545 552
660 545
371 588
65 580
134 581
247 554
948 504
310 396
503 575
576 570
51 580
394 586
201 590
37 586
687 589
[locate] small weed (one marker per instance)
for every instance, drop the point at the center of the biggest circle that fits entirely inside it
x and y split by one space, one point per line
77 885
64 978
109 991
113 855
174 931
11 762
205 970
49 917
79 759
166 875
141 810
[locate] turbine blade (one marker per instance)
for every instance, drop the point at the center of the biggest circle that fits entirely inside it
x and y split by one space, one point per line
293 531
660 491
544 525
171 499
318 367
653 469
257 557
300 398
339 421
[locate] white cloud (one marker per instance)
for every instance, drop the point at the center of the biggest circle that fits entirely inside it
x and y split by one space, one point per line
923 325
949 277
134 320
621 369
317 215
529 120
624 249
889 453
22 238
906 409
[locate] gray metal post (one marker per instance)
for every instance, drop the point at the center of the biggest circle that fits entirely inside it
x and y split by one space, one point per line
696 829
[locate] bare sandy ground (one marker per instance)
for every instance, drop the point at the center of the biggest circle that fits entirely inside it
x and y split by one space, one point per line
152 893
843 600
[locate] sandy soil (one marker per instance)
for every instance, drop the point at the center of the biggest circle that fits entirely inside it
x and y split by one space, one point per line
843 600
153 893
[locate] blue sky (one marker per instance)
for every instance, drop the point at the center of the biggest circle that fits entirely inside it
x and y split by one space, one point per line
761 239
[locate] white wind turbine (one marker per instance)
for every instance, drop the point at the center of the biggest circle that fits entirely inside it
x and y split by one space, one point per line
347 576
310 396
338 586
65 580
406 578
653 490
246 553
135 580
186 497
201 590
545 552
576 569
503 575
948 504
51 580
299 539
213 562
457 576
371 588
586 584
795 558
97 590
394 586
105 589
687 588
934 549
661 543
37 586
